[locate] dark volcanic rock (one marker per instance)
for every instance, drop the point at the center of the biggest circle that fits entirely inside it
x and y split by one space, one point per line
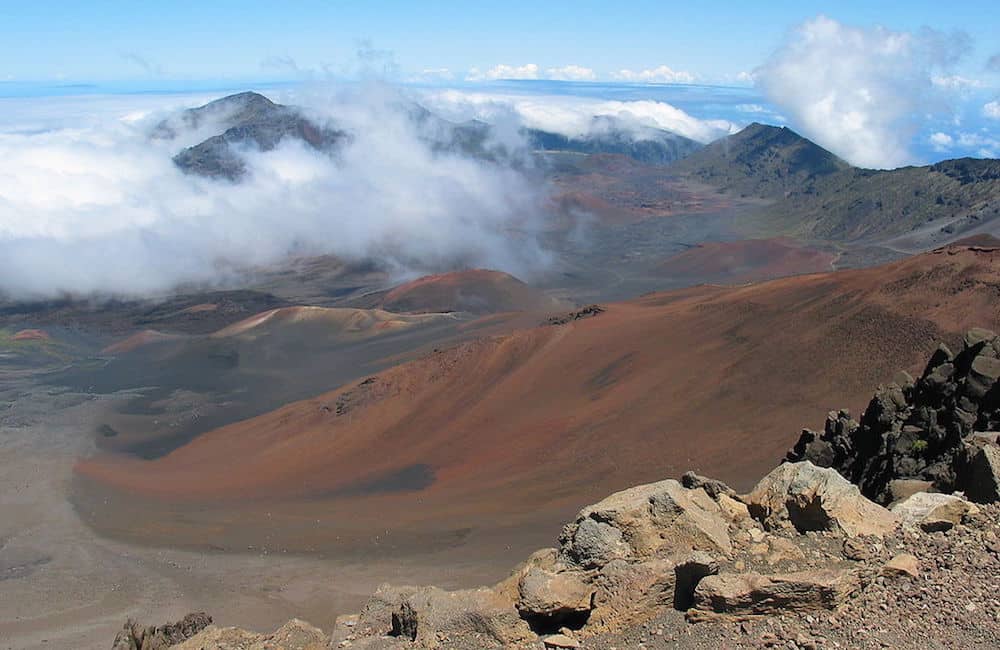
924 430
248 120
587 312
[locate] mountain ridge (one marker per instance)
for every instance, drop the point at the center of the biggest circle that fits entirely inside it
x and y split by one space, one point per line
816 195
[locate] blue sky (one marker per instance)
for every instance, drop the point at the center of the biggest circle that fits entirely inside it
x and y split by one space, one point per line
251 39
880 84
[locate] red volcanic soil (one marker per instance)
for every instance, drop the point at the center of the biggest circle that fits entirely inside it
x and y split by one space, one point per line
479 291
516 432
749 260
985 240
31 335
138 340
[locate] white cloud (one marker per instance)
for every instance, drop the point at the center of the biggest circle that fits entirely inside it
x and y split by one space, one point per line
992 109
982 144
571 73
941 141
661 74
955 82
503 71
745 77
96 206
856 91
571 116
985 145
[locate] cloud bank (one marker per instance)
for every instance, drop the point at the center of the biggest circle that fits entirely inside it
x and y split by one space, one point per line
503 71
572 116
661 74
102 208
858 91
571 73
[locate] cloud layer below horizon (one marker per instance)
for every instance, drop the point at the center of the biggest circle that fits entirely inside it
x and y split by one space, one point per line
102 208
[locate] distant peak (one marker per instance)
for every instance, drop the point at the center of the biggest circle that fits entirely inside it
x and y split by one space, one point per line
244 98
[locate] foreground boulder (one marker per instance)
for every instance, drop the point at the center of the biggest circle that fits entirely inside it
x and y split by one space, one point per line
661 519
753 593
920 429
480 615
554 594
695 546
933 512
375 618
629 593
139 637
809 498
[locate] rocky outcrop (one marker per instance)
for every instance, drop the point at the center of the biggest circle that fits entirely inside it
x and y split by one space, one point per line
663 546
148 637
923 429
803 541
809 498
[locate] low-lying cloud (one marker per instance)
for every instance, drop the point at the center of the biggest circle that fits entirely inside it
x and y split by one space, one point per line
571 73
572 116
660 74
504 71
858 91
99 207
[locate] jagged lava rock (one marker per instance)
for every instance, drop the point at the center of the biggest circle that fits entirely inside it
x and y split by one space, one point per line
918 430
980 479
